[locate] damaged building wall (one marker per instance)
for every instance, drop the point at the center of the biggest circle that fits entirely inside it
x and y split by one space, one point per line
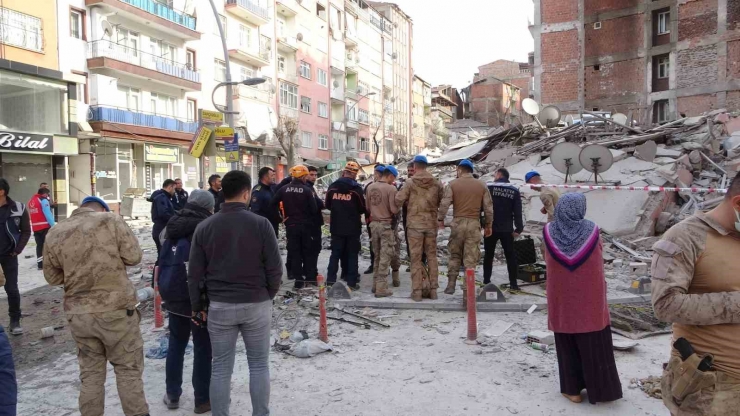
656 58
494 87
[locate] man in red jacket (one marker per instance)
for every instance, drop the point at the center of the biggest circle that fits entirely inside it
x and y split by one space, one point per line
42 219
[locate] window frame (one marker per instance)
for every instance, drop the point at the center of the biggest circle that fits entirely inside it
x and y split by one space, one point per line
194 102
664 63
290 91
188 53
319 73
325 113
305 66
323 138
281 66
305 134
364 144
81 24
217 63
665 19
305 108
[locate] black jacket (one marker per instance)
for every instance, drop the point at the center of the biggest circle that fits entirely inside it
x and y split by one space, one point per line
162 210
346 201
318 218
15 220
283 183
235 254
173 276
218 198
299 203
507 207
260 203
179 199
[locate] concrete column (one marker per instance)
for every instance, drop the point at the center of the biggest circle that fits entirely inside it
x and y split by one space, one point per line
722 51
582 44
537 36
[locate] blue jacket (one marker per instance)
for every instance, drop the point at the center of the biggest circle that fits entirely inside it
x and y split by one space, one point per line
507 206
260 203
162 209
8 384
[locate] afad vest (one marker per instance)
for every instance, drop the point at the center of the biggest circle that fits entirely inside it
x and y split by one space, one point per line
38 219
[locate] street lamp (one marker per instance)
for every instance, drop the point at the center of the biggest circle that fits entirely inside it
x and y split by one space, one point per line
229 84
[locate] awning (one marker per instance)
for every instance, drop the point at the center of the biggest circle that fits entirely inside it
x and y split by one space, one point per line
459 154
319 163
363 162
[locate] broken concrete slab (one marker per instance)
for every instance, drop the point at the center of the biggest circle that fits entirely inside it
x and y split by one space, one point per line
646 151
339 291
666 152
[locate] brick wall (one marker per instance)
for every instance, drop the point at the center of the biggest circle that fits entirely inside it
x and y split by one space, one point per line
600 6
561 60
732 103
697 18
500 69
557 11
733 59
697 104
559 87
615 36
733 15
697 67
615 79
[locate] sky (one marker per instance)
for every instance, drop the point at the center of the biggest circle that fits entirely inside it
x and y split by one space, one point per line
453 38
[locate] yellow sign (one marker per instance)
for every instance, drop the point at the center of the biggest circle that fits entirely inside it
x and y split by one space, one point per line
232 156
225 132
211 116
199 141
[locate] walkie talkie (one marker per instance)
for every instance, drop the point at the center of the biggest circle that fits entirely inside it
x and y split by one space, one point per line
684 348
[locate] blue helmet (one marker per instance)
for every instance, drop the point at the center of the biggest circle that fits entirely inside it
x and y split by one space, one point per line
467 163
530 175
421 159
380 168
97 200
391 170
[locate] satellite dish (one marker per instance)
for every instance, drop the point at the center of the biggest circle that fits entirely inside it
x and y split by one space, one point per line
335 83
597 159
299 36
569 120
550 115
620 118
107 28
530 107
565 159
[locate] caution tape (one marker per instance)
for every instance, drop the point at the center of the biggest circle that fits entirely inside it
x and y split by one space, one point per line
631 188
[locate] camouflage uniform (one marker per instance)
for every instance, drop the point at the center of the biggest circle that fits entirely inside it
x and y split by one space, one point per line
385 244
696 286
423 193
467 195
88 254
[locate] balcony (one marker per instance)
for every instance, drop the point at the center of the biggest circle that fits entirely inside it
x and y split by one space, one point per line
260 92
350 94
352 124
351 6
258 57
119 115
114 59
166 19
287 44
350 38
337 126
337 94
443 110
350 63
249 11
287 8
289 112
285 76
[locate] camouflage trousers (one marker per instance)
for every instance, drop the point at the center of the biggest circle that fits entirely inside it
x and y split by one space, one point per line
387 248
716 394
423 241
112 337
464 245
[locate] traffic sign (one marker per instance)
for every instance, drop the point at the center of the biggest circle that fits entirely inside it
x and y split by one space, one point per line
232 156
232 145
224 132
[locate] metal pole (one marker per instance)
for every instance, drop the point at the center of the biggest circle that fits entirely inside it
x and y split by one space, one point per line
229 93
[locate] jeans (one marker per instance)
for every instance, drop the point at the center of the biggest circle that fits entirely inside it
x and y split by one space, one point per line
158 244
225 322
8 385
180 328
507 243
345 248
40 237
10 268
302 250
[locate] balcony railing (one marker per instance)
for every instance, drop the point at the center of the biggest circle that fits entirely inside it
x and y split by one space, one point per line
21 30
337 94
252 7
108 49
164 12
122 115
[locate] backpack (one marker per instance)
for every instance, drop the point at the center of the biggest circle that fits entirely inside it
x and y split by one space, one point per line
173 273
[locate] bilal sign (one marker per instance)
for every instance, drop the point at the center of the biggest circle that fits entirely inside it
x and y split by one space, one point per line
26 142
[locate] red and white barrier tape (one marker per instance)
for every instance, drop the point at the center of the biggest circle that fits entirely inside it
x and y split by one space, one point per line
631 188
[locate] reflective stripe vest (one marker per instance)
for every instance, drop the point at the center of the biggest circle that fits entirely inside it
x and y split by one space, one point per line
38 219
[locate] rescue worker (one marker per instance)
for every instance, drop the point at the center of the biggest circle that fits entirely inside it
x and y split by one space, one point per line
377 177
423 193
381 202
548 196
696 286
262 196
87 254
14 219
180 197
318 218
162 211
508 210
214 187
466 195
410 170
39 209
300 207
346 201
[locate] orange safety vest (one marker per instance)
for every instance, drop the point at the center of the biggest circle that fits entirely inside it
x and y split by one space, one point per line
38 219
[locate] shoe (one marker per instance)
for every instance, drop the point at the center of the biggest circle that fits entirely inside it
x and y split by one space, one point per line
514 287
381 289
298 285
15 326
202 408
433 294
451 283
416 295
355 287
369 270
574 399
396 279
171 403
408 269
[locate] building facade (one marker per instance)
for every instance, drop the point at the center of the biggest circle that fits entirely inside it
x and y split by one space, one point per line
421 108
654 59
497 91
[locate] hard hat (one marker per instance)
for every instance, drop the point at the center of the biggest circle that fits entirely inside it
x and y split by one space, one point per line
467 163
298 171
352 167
380 168
391 170
421 159
530 175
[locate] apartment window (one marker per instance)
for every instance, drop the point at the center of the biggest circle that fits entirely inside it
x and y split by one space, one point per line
223 24
130 41
323 142
245 37
305 139
338 143
280 28
305 70
364 145
130 96
190 59
323 110
352 112
306 104
320 11
664 22
281 64
364 117
660 109
322 77
77 24
288 95
162 51
81 91
663 67
220 70
162 105
192 110
21 30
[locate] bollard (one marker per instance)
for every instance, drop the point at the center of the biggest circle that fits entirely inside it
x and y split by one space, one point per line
472 319
323 331
158 317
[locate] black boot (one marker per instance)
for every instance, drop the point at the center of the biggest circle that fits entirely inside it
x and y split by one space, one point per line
171 403
369 270
15 326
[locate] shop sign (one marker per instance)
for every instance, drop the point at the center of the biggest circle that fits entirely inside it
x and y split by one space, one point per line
199 141
106 174
207 116
161 154
225 132
26 142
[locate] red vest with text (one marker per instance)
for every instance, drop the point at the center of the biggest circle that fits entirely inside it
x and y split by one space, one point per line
38 219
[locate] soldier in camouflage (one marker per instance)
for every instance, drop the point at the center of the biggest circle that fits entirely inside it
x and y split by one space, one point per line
423 193
381 197
87 254
467 195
